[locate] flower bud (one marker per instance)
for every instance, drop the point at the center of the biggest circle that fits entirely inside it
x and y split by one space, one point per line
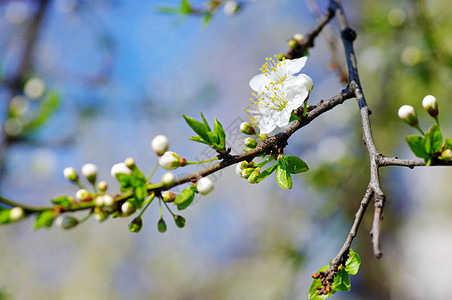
246 128
430 104
205 186
170 161
298 37
99 214
168 196
446 154
108 200
263 136
250 143
136 225
238 170
254 177
83 195
180 221
292 44
281 56
120 168
89 171
160 144
130 163
16 213
161 226
168 180
99 201
70 174
127 209
102 186
247 172
408 115
66 222
230 7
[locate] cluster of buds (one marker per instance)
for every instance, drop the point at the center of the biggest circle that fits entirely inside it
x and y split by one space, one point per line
326 278
248 170
408 114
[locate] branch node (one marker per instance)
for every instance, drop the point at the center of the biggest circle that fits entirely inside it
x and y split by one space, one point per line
348 34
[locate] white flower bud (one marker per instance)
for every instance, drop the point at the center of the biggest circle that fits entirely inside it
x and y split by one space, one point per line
298 37
250 142
205 186
246 128
168 179
99 201
407 114
16 213
108 200
89 171
70 174
83 195
128 208
66 222
160 144
120 168
102 186
238 170
168 196
130 162
430 104
230 7
34 88
170 160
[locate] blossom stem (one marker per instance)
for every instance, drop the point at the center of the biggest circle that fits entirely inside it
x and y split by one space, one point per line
167 207
419 129
153 171
200 162
150 198
160 205
87 217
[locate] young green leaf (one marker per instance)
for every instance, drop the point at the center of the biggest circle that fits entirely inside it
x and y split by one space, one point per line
264 174
199 128
341 281
282 175
448 143
295 164
5 216
185 7
185 198
64 201
47 107
416 144
198 139
353 262
44 219
206 124
433 140
218 129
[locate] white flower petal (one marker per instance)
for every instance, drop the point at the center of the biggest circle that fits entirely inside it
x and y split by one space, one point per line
295 65
259 81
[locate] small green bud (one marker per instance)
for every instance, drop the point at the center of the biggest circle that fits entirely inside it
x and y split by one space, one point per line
263 136
247 172
136 225
99 214
246 128
254 176
66 222
180 221
161 226
250 143
281 57
168 196
292 43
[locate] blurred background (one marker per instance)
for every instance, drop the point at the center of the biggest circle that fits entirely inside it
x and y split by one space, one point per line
95 81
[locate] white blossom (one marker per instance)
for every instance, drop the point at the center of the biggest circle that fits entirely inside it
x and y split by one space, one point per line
277 92
169 160
204 186
160 144
120 168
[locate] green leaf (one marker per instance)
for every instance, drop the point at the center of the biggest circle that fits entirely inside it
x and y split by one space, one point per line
44 219
47 107
353 262
5 216
282 175
199 128
64 201
313 291
124 180
198 139
294 116
185 198
264 174
219 131
139 194
295 164
341 281
206 124
448 143
416 144
185 7
433 140
206 18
